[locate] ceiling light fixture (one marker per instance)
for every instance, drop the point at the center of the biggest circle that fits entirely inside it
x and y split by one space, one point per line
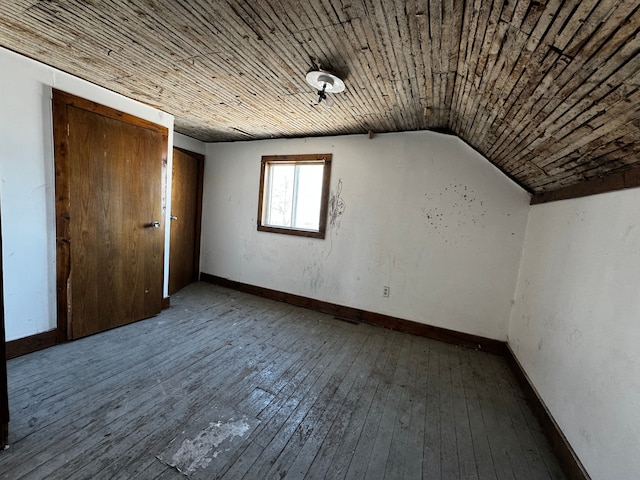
325 82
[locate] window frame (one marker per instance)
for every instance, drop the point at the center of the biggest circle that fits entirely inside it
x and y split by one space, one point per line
326 159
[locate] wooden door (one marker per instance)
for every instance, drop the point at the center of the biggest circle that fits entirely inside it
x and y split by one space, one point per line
186 215
109 188
4 393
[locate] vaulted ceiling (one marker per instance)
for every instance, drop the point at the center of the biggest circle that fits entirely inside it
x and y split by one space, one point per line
547 90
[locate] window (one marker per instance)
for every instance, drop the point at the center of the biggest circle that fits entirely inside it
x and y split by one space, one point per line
294 193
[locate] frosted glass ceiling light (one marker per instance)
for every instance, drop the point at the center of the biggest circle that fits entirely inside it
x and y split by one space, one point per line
325 82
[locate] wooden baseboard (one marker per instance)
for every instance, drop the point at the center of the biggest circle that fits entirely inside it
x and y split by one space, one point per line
39 341
566 456
354 314
570 463
33 343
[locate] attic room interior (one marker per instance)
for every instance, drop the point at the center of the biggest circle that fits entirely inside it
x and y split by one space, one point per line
467 309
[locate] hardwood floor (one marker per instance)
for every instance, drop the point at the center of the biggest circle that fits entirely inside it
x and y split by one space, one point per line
228 385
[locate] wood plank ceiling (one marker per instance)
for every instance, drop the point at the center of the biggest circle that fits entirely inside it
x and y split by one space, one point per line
548 90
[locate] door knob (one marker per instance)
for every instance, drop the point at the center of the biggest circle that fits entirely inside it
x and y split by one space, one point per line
173 217
154 224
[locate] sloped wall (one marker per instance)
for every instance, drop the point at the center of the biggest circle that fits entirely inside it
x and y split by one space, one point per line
423 214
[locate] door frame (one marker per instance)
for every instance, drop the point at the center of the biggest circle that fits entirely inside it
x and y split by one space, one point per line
198 157
60 102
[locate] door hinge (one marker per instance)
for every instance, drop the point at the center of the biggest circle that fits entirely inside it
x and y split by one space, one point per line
68 130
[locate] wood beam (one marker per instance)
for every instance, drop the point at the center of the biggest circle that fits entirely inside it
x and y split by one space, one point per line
629 178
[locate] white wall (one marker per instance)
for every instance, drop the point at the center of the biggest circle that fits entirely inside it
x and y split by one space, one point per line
425 215
575 327
27 184
188 143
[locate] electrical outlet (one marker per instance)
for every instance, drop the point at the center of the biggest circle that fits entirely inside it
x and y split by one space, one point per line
385 291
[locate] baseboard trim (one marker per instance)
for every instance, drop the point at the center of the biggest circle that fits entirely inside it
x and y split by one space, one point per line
40 341
32 343
571 464
354 314
566 456
569 461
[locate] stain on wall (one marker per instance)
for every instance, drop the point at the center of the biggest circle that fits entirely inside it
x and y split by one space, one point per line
336 207
377 235
313 275
451 213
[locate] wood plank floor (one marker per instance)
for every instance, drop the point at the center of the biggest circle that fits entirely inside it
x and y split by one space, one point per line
228 385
